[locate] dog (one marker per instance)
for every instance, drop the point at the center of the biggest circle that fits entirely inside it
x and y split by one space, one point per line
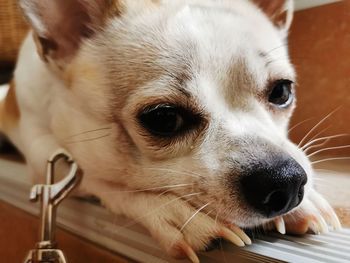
176 110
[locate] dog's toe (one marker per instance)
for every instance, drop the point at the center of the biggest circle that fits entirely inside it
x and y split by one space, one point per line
183 231
314 215
202 234
325 209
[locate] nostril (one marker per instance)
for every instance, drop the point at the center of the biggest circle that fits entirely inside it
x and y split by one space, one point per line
301 192
304 180
276 201
300 195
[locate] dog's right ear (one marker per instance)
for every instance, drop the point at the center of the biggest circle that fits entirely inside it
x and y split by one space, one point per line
61 25
280 12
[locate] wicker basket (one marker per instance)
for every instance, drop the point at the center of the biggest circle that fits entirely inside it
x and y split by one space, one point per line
13 29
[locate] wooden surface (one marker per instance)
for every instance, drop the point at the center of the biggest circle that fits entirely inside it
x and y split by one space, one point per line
19 232
320 49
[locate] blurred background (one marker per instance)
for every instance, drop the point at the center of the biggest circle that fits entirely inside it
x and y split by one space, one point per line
320 50
12 31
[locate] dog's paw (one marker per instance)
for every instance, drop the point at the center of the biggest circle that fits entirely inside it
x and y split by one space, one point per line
314 214
183 230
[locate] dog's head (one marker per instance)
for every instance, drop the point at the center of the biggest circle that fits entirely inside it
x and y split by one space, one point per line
196 95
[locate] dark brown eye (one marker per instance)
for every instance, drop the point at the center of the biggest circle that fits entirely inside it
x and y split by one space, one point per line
167 120
281 94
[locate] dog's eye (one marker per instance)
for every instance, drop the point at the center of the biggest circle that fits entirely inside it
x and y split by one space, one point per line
281 94
166 120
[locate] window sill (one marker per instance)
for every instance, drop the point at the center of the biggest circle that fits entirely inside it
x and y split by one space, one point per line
94 223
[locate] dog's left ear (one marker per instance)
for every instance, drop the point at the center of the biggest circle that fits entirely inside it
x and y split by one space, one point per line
279 11
61 25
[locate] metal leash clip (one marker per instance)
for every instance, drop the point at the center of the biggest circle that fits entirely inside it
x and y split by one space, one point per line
50 195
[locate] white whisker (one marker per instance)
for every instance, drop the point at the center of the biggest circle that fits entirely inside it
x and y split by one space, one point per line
168 187
174 171
136 220
273 49
316 146
281 58
164 192
319 133
89 139
316 126
219 210
320 179
331 159
327 170
211 211
216 218
169 190
324 138
298 124
328 149
196 213
90 131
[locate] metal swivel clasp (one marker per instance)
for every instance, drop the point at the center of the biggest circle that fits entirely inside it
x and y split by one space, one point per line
50 196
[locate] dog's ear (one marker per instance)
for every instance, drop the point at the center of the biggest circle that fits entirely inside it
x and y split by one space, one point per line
279 11
61 25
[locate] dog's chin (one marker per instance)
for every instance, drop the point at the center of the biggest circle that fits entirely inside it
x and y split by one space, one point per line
250 219
250 222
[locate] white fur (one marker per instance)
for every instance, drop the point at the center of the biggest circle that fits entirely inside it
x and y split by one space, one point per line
225 36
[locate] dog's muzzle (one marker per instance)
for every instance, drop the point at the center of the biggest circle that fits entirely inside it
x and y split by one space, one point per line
276 188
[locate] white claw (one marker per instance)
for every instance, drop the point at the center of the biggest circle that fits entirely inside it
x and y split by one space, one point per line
239 232
314 227
326 210
318 225
190 253
334 220
280 225
232 237
323 227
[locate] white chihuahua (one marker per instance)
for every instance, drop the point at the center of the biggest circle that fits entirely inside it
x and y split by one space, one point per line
176 110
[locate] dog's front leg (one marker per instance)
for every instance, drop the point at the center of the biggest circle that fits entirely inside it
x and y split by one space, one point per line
180 228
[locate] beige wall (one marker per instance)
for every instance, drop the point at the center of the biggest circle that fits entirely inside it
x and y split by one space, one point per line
320 49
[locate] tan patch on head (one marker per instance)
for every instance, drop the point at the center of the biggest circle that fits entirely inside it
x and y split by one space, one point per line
114 8
118 7
81 69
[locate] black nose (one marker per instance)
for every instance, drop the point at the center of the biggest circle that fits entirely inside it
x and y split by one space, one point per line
274 189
